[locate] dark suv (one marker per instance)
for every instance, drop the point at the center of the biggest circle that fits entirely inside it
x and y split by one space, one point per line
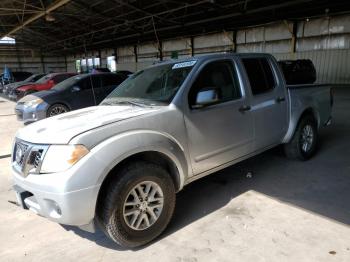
74 93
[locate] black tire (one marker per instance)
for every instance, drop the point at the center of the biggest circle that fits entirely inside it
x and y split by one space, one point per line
62 109
294 149
110 213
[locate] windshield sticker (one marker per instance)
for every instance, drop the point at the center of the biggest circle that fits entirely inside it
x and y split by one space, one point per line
184 64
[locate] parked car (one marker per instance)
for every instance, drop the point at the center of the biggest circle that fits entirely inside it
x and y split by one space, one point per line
1 84
100 70
73 93
14 77
44 83
300 71
126 72
9 88
121 163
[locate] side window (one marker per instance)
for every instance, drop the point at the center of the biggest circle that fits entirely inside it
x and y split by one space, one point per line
260 75
84 84
59 78
96 81
220 76
111 80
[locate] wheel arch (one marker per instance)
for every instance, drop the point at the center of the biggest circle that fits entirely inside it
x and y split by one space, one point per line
155 157
294 122
58 103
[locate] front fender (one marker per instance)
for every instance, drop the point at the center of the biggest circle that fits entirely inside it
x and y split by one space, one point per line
115 149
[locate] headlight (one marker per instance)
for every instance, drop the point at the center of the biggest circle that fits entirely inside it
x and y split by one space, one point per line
34 102
59 158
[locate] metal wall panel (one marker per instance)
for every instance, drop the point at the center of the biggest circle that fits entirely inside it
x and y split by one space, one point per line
213 43
341 41
332 66
278 31
181 46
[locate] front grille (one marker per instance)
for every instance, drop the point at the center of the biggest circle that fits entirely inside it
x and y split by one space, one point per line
27 157
20 151
37 158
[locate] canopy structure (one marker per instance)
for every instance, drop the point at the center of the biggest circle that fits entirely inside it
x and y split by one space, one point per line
68 26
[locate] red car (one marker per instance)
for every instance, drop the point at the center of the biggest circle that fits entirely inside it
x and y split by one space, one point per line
44 83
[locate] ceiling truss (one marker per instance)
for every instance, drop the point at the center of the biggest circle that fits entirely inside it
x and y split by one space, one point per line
71 26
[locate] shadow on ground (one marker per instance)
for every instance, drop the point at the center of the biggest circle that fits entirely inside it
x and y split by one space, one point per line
320 185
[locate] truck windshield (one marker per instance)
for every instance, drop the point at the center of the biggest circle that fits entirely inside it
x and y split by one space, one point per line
153 86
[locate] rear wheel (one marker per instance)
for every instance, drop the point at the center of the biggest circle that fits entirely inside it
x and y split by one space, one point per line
305 140
138 204
57 109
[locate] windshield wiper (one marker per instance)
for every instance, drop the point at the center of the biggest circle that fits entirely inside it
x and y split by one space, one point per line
124 102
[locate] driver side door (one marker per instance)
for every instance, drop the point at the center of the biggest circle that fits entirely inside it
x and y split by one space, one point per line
80 95
221 131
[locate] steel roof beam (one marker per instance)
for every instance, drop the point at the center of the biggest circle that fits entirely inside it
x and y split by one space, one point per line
49 9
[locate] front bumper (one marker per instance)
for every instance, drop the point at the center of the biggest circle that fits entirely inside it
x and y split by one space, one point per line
12 95
31 114
56 197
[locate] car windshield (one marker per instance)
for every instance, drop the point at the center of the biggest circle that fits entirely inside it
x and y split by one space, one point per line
153 86
43 79
69 82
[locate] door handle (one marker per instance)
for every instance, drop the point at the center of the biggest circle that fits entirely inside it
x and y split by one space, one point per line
243 109
280 99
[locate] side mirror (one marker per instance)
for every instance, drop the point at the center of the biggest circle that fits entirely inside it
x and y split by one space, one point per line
51 82
206 96
76 89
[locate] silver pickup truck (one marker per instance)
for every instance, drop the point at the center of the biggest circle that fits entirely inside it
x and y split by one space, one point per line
118 165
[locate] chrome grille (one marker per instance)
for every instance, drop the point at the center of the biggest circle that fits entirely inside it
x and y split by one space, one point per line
20 151
37 158
27 157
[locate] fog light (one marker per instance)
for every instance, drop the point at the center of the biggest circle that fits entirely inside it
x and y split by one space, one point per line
58 210
54 209
33 115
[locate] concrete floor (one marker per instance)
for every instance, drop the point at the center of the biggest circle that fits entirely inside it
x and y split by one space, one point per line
287 210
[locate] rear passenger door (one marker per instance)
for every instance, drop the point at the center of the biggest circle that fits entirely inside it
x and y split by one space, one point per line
268 101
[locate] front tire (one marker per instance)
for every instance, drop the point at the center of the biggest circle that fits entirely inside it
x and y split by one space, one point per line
56 109
138 205
304 142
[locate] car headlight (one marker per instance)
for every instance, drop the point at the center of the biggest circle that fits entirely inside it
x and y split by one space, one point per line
59 158
34 102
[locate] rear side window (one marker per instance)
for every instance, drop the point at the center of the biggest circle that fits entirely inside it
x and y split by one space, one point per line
111 80
260 75
59 78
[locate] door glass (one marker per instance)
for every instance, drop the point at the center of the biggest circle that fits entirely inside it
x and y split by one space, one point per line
111 80
260 75
220 76
85 84
96 81
59 78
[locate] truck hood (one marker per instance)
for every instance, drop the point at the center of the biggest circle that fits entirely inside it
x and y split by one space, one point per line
61 129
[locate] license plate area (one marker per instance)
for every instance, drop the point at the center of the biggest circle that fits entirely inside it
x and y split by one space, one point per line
21 195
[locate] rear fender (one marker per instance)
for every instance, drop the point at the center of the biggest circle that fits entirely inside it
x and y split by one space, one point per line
297 115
